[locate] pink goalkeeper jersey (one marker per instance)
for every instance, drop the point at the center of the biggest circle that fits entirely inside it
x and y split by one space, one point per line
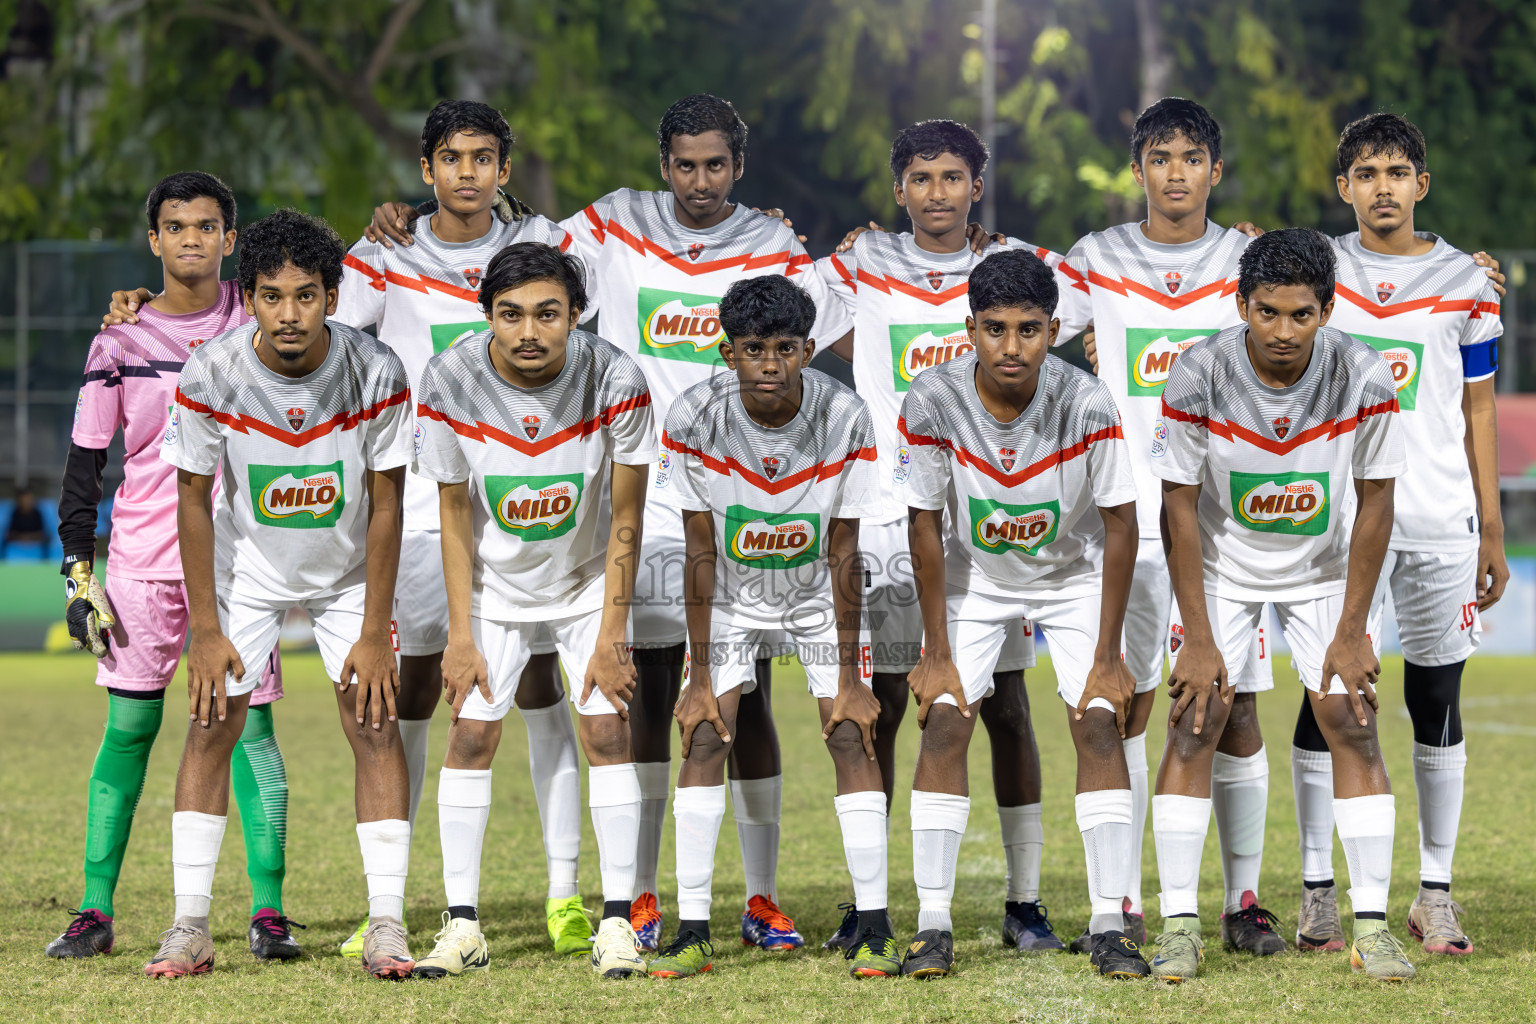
130 384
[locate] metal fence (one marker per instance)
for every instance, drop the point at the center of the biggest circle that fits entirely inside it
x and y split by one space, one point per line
52 295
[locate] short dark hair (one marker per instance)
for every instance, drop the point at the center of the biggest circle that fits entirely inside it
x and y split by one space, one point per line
289 236
927 139
1174 115
450 116
770 306
700 113
185 186
1382 135
1288 256
522 262
1013 278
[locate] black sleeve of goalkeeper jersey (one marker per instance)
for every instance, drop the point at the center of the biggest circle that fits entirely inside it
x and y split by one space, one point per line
79 494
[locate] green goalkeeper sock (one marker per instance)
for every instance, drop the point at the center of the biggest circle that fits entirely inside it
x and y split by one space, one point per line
260 784
117 780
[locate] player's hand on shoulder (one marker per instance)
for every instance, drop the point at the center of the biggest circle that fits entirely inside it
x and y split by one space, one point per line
1491 265
210 658
1248 228
697 705
372 665
778 214
464 670
611 671
392 223
934 676
1199 672
1108 680
124 307
1351 658
1091 348
979 237
848 239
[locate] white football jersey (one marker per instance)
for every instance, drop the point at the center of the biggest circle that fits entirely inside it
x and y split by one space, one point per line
907 309
773 493
659 284
1150 302
423 298
291 517
1023 497
538 464
1420 312
1277 466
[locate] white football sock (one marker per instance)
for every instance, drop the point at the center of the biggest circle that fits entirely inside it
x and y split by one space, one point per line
463 807
1365 831
1312 783
755 804
386 847
195 841
1104 819
1136 763
413 741
698 811
555 766
1240 798
1439 774
1023 839
614 795
1179 825
938 823
655 780
861 816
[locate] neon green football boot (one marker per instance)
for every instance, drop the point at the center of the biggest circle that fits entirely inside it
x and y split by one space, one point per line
689 954
569 927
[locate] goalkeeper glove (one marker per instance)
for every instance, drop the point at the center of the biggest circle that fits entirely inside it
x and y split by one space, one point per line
86 611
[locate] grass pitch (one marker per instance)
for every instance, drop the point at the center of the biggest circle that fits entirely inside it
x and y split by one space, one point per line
52 724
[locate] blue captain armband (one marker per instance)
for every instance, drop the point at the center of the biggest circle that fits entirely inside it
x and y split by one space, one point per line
1480 360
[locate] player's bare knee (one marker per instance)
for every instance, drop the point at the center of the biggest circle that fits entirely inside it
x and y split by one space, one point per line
1096 736
472 744
606 740
846 745
947 732
1187 745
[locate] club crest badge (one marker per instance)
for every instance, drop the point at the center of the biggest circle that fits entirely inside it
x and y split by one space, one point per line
1173 280
695 251
1008 457
531 425
473 276
936 279
296 418
1175 638
1282 427
1384 292
771 466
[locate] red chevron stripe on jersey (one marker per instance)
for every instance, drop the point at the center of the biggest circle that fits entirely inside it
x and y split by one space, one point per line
823 470
1126 286
480 431
1433 303
1034 469
746 261
1233 432
245 424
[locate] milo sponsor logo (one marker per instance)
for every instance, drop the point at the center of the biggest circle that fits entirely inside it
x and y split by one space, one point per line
1405 358
771 540
445 336
999 527
1149 356
915 347
534 508
298 497
1281 502
675 325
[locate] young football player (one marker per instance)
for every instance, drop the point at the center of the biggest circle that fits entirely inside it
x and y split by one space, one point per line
658 263
1432 312
309 422
137 623
1156 287
524 426
771 466
1026 456
1277 447
903 300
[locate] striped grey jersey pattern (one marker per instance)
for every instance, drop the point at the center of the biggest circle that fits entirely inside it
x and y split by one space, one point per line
1023 496
1277 465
